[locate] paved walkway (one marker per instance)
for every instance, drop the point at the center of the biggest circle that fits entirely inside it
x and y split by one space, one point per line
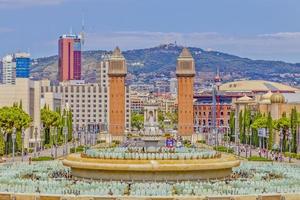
255 152
46 152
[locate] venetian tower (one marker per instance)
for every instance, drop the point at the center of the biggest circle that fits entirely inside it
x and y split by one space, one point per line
117 71
185 73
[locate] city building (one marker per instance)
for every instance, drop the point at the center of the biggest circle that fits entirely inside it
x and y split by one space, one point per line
256 87
69 57
185 73
29 93
173 86
274 103
117 93
203 108
1 73
88 102
8 70
137 102
23 63
167 102
102 70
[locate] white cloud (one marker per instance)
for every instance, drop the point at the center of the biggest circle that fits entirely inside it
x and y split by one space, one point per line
25 3
274 46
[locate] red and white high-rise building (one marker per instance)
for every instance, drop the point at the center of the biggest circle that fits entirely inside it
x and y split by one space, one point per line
69 57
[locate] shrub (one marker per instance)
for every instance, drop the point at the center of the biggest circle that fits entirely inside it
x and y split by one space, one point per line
223 149
79 149
116 141
258 158
47 146
42 158
201 141
292 155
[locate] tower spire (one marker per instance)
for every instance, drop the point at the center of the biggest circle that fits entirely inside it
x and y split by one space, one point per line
82 33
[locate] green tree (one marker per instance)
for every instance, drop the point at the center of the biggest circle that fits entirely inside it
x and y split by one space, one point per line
232 126
161 119
283 124
173 117
260 121
246 127
270 128
49 119
294 125
13 117
137 121
69 125
241 127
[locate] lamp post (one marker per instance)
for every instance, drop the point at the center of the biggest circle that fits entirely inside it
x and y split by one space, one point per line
5 140
56 135
13 136
73 138
42 138
52 140
23 137
250 142
65 131
79 136
35 140
281 139
290 137
84 134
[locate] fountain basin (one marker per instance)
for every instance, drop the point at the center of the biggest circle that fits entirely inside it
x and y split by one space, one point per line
160 170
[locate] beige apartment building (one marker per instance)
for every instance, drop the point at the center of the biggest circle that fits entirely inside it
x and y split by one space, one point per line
88 102
29 92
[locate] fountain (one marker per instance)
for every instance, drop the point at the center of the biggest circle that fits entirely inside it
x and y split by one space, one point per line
150 157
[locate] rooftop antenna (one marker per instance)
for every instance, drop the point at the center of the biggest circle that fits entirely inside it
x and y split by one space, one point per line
82 34
71 30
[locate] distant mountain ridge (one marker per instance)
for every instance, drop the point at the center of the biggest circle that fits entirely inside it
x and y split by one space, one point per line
162 59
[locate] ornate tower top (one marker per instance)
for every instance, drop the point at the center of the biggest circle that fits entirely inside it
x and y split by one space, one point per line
117 64
185 64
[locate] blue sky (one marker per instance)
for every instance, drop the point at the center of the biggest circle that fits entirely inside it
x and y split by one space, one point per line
257 29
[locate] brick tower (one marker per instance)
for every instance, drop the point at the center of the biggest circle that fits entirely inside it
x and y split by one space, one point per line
185 73
117 71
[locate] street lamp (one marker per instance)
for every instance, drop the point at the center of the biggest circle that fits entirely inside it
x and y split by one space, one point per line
56 136
35 140
65 131
73 138
281 139
290 137
13 143
52 140
4 139
250 141
84 134
23 137
43 137
79 136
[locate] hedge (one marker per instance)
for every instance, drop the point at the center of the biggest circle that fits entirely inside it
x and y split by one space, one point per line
42 158
292 155
258 158
224 149
79 149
